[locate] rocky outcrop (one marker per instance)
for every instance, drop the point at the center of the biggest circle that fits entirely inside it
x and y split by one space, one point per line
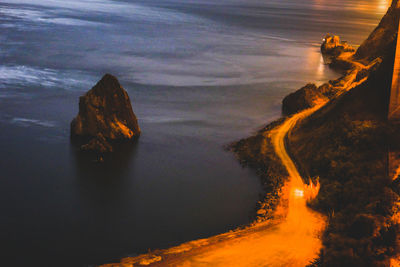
340 57
105 114
334 47
307 97
338 54
299 100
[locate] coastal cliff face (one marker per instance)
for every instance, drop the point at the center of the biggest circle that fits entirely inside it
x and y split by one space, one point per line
105 113
382 37
353 64
344 145
338 55
341 57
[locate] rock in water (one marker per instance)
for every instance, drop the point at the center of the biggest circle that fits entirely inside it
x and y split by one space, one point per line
105 113
98 144
332 46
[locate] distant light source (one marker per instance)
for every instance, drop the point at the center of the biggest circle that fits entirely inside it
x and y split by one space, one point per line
299 193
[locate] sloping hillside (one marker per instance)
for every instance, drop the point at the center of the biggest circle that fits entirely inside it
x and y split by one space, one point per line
345 146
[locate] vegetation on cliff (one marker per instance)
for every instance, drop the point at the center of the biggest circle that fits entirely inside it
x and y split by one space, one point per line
309 96
258 153
344 146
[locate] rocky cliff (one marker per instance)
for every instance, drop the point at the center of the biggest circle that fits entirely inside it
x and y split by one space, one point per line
354 64
382 37
344 145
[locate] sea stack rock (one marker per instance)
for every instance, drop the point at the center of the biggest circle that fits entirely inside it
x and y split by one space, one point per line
105 114
332 46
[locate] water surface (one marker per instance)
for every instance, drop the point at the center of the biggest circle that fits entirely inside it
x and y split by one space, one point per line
200 75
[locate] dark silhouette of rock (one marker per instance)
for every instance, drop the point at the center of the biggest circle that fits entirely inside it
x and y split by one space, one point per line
105 114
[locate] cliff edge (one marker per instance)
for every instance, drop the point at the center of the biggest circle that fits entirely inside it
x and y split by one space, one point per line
344 146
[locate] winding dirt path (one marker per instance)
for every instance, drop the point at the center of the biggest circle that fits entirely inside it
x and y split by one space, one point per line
291 241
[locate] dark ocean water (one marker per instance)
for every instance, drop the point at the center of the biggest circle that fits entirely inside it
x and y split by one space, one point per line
200 74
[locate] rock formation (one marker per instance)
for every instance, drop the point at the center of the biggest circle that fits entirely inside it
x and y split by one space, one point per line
333 46
98 144
307 97
105 114
343 58
299 100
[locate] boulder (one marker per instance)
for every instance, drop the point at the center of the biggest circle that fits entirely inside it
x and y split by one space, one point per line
105 114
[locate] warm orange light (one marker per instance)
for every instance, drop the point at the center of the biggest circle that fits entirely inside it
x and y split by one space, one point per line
292 238
298 193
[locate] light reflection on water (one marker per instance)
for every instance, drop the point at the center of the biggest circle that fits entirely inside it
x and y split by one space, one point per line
376 7
200 74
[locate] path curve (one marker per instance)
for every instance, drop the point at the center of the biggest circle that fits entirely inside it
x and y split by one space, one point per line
292 241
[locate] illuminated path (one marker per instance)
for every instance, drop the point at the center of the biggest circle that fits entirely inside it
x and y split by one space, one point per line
292 241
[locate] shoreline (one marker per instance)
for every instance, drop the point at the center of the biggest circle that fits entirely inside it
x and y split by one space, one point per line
272 209
273 164
285 219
